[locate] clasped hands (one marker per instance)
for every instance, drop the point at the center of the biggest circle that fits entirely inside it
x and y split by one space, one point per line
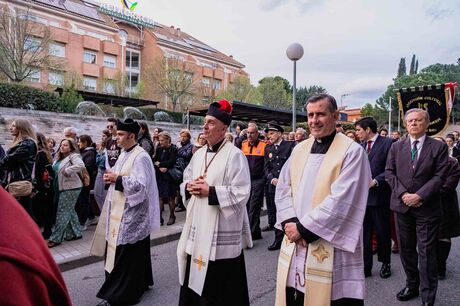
198 187
411 199
110 177
290 229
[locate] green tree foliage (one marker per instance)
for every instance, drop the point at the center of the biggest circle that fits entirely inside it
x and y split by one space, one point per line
304 93
273 93
402 67
287 86
69 99
412 69
25 97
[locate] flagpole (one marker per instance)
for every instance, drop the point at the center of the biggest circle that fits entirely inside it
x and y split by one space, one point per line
389 118
399 120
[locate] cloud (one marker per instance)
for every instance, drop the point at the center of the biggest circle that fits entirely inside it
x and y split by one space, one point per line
438 13
302 5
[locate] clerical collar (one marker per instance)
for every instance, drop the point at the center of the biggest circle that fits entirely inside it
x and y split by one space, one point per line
320 146
215 147
130 149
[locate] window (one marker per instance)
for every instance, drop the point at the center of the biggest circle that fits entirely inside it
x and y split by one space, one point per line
133 81
110 61
217 84
34 77
55 78
57 49
123 34
89 84
109 87
206 81
132 60
32 44
89 57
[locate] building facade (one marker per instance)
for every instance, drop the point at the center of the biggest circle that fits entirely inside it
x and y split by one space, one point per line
111 50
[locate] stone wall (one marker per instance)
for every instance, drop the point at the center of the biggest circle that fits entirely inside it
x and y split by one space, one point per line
53 124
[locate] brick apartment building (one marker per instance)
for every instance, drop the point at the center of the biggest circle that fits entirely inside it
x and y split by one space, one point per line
103 44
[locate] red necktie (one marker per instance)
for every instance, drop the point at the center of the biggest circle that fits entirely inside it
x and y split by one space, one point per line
369 142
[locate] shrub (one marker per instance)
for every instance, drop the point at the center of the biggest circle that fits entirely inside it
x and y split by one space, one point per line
25 97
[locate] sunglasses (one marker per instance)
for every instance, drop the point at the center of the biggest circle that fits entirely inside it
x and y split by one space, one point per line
110 126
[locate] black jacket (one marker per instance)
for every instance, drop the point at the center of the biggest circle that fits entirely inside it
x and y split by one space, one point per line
450 222
147 145
275 159
185 152
19 162
88 155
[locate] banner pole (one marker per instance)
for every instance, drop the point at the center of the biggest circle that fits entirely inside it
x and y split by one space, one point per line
389 117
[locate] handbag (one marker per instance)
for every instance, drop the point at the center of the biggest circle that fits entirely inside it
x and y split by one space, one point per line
177 171
20 188
83 175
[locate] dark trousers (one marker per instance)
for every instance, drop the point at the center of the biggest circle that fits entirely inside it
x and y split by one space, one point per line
377 218
254 205
419 233
82 207
271 211
291 300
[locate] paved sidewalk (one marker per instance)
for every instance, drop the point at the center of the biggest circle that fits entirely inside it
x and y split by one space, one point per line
73 254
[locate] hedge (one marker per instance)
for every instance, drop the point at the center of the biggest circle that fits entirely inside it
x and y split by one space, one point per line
25 97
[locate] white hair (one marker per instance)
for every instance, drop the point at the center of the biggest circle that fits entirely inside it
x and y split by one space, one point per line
70 129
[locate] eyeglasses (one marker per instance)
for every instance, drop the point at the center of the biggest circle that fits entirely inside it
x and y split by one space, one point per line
110 126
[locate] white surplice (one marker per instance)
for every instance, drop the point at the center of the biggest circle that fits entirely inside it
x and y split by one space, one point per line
338 219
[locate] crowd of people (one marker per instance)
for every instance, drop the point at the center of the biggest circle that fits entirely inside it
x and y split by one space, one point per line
321 192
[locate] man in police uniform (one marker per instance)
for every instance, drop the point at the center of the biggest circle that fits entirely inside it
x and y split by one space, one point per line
276 154
254 150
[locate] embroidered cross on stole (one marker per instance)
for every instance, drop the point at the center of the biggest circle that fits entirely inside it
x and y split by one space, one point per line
116 215
320 254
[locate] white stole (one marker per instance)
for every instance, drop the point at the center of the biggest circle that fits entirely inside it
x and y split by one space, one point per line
206 219
320 254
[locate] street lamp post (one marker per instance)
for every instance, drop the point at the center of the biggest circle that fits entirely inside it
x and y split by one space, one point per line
294 52
341 99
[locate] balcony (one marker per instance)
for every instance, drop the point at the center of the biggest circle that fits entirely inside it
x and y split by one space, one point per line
110 48
59 35
90 70
135 40
207 72
109 73
91 43
219 74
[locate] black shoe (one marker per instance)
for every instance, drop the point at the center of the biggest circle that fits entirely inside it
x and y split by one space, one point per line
171 221
162 221
275 246
73 238
385 271
256 236
427 304
103 303
179 208
406 294
268 228
367 273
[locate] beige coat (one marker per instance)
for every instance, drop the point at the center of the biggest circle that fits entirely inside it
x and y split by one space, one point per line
68 172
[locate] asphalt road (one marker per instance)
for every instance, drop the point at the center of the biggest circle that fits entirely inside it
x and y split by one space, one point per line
84 282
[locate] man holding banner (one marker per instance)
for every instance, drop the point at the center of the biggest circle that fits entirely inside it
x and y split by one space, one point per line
321 201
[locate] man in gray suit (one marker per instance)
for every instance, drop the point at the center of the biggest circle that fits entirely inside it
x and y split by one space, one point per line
416 170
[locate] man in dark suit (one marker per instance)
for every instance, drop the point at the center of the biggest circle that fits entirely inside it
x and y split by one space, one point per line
276 154
416 170
377 215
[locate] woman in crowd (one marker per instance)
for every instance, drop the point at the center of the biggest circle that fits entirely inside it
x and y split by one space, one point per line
51 144
229 137
145 140
42 197
200 141
20 159
351 134
99 185
83 207
68 185
450 223
165 158
184 155
155 139
453 150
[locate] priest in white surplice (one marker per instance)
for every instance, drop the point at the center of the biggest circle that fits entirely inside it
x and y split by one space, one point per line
320 200
216 187
130 213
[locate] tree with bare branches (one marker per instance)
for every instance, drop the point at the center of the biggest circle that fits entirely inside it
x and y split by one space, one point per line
24 44
173 78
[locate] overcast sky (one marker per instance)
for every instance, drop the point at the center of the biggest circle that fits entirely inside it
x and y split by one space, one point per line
351 46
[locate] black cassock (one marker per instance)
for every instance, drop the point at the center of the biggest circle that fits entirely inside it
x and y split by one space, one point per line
225 284
131 274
